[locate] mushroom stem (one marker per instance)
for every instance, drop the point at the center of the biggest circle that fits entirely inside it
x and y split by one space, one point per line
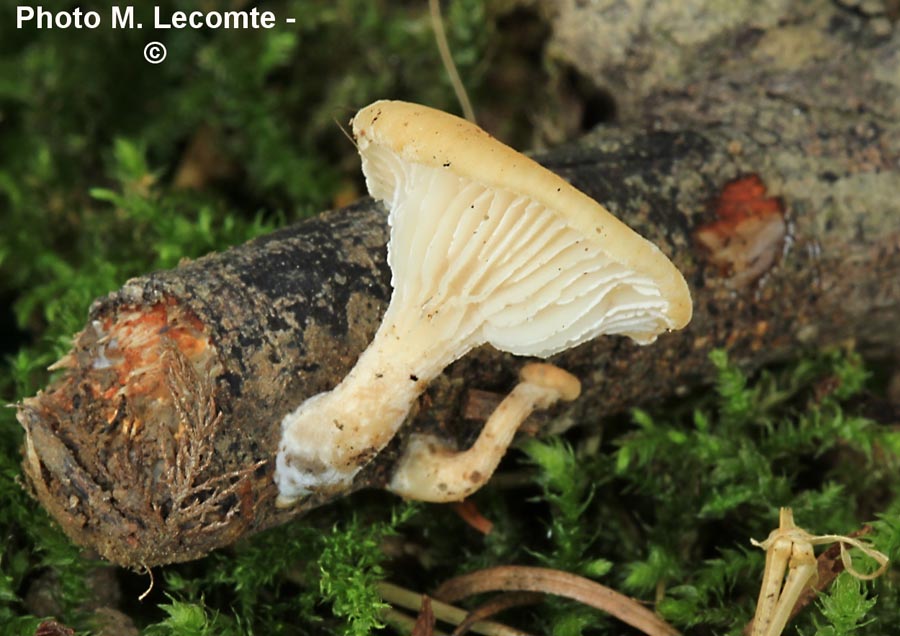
430 471
332 435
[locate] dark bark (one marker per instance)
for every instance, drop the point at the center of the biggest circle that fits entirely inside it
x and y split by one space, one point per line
156 444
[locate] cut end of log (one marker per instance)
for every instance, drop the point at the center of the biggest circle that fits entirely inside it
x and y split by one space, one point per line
122 448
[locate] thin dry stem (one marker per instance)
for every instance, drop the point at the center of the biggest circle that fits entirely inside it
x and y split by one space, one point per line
499 603
444 612
346 133
403 622
440 37
791 571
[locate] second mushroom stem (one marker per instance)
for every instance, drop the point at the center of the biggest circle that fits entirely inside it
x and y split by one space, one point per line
429 470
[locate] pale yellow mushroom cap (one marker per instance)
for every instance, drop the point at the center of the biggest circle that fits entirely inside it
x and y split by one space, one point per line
387 131
549 376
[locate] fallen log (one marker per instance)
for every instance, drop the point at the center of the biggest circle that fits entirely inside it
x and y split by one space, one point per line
156 442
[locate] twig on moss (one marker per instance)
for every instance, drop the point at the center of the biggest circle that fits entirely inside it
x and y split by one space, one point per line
445 612
396 618
496 605
559 583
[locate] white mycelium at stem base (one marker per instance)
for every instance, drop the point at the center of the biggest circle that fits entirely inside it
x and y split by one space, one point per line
486 246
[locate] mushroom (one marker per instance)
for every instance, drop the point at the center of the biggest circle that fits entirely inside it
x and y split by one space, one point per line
429 471
486 246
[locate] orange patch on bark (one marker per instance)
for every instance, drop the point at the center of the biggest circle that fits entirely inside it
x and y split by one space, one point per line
747 236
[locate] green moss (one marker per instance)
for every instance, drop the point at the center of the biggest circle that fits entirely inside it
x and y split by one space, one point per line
568 490
712 478
844 608
277 582
350 567
192 619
